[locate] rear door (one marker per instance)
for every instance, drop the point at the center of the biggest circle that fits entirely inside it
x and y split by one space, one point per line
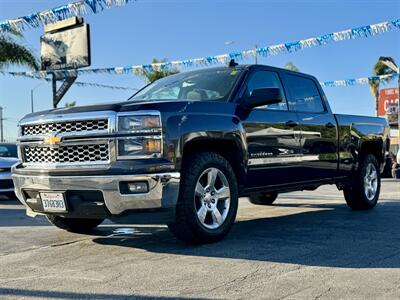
317 125
272 136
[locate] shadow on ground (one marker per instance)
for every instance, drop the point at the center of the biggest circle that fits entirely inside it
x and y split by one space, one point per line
329 235
13 214
332 237
40 294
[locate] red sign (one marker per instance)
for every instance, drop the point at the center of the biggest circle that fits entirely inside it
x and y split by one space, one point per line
388 102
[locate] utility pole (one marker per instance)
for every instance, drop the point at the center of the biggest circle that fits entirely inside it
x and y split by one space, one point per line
256 55
32 90
31 100
1 125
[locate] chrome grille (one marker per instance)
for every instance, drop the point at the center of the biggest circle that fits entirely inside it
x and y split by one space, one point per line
62 127
67 154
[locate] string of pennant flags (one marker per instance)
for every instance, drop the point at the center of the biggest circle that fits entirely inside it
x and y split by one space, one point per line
82 7
334 83
74 9
97 85
359 81
86 84
284 48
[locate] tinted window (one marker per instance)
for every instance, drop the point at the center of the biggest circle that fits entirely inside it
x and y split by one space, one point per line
305 95
266 79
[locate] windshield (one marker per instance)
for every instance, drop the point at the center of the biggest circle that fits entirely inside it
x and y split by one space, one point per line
203 85
8 151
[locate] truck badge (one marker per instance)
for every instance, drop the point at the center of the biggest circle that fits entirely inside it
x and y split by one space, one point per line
52 140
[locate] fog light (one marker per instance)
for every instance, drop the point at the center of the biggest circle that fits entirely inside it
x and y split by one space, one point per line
139 187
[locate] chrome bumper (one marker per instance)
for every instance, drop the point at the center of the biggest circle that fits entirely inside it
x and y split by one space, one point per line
163 189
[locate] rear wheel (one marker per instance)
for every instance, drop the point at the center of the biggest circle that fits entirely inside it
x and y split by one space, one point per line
208 199
263 199
74 225
365 188
396 171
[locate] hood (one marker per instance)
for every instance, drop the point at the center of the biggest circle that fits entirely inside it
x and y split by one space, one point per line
162 105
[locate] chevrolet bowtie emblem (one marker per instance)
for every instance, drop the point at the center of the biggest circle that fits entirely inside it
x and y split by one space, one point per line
52 140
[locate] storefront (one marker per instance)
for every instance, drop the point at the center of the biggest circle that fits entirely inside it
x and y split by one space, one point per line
388 107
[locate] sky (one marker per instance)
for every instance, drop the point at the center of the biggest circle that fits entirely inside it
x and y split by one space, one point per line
179 29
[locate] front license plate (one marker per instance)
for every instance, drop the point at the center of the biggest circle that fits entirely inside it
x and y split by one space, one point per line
53 202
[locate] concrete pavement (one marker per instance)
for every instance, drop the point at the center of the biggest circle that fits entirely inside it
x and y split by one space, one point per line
307 245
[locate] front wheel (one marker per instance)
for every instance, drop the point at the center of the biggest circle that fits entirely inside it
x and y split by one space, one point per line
74 225
365 188
208 199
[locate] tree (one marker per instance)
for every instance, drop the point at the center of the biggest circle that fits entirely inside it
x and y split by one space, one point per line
155 74
13 53
291 66
70 104
380 69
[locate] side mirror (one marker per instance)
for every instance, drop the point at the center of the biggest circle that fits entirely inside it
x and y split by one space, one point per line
261 97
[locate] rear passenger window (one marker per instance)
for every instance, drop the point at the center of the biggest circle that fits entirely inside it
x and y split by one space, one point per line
304 95
266 79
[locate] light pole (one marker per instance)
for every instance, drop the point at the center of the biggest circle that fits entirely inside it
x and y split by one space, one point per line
389 63
2 125
32 90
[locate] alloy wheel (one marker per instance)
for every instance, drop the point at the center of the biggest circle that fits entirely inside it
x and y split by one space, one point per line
370 181
212 198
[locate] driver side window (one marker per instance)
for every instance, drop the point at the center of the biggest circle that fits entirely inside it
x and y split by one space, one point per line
266 79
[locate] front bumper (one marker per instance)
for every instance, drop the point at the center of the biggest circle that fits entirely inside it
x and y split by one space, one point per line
163 189
6 184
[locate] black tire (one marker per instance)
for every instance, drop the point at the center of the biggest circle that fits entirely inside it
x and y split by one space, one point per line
356 194
387 171
187 226
263 199
396 171
74 225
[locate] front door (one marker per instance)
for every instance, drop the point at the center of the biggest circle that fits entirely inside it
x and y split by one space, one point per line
273 137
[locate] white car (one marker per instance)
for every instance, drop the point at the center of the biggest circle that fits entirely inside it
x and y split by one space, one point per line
8 157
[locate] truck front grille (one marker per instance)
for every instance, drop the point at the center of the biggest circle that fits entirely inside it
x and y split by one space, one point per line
67 154
63 127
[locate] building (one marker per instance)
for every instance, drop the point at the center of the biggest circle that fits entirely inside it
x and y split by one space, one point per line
388 107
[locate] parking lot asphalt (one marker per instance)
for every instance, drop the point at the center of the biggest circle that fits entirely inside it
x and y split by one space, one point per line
308 245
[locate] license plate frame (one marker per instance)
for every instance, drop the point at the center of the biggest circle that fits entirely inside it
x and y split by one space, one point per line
53 202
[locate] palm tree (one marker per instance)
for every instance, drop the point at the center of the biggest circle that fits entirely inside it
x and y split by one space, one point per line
380 69
13 53
291 66
70 104
153 75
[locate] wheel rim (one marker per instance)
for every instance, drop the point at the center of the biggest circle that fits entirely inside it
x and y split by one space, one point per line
370 181
212 198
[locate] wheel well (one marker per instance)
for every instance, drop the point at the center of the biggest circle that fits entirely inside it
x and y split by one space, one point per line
374 148
229 149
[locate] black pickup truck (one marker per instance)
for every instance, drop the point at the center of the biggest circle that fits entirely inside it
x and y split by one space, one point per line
189 145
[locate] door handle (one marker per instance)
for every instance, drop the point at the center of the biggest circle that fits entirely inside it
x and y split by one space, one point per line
330 125
292 123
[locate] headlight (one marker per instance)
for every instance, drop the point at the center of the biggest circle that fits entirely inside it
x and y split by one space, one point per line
139 147
138 123
139 135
